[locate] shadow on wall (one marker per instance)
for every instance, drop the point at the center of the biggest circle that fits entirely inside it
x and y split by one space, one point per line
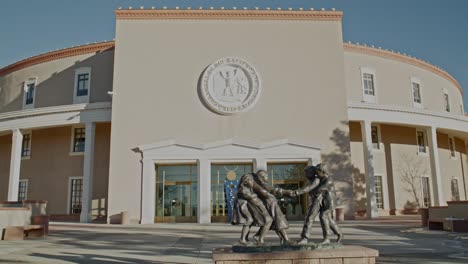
58 88
350 182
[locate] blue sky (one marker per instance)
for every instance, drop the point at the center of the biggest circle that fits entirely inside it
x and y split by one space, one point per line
433 30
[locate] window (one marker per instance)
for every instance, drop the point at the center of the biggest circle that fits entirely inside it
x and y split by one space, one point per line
79 139
447 102
375 137
368 85
23 190
26 146
416 93
455 191
82 85
426 192
379 192
29 93
76 194
452 147
421 137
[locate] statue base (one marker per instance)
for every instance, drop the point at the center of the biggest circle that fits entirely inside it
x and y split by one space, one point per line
267 247
340 255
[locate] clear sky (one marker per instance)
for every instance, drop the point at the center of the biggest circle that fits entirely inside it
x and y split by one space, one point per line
433 30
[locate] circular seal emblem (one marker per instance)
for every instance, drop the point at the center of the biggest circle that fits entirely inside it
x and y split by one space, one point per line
230 86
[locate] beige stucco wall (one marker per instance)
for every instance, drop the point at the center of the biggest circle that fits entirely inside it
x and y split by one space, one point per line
300 64
50 166
393 83
55 81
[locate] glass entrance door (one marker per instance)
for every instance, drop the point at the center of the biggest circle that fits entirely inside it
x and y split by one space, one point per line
222 174
289 176
176 194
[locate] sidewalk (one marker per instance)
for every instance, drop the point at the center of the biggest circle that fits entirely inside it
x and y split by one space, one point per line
399 240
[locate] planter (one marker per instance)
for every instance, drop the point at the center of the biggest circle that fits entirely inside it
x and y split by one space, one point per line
424 212
339 214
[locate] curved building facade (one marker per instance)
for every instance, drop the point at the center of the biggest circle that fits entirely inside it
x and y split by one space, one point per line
161 122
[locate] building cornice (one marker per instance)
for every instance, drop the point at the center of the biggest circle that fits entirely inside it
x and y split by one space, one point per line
58 54
231 14
402 58
407 110
53 110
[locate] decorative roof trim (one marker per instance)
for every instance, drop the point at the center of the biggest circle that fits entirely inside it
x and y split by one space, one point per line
402 58
58 54
227 142
230 14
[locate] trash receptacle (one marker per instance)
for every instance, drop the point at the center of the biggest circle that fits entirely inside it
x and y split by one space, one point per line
424 212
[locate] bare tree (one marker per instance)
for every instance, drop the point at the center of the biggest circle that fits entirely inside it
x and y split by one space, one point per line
412 169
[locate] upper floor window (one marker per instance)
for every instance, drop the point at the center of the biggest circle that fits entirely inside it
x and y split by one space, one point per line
79 139
452 147
82 85
29 93
26 146
375 134
416 92
421 142
368 85
447 102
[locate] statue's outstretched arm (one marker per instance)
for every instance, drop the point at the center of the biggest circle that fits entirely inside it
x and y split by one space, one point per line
309 187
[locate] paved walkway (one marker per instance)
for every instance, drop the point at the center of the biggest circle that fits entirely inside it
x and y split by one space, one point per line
399 240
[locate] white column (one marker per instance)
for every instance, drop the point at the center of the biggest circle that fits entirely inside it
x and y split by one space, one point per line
88 168
435 167
204 191
148 192
15 165
372 211
260 164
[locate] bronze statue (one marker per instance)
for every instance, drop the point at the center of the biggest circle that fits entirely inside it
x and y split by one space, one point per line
267 194
249 210
321 200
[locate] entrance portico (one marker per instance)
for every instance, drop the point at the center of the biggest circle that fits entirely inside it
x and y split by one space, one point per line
227 151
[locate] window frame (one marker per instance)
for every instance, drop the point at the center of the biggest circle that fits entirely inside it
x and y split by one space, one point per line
382 195
27 82
377 146
26 132
365 97
416 80
426 148
81 99
446 98
429 190
452 147
458 188
72 141
19 189
69 195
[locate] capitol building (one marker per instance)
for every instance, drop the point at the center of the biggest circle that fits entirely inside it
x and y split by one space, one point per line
162 121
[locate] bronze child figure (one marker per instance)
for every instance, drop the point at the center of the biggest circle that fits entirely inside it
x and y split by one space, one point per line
321 200
249 210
